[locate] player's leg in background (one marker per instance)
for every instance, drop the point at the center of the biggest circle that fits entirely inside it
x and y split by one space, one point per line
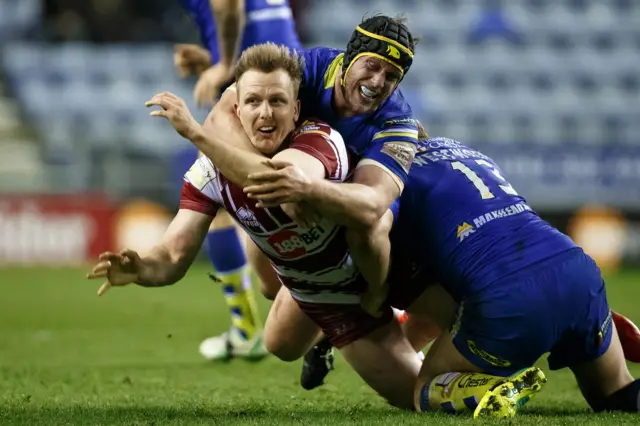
226 252
289 333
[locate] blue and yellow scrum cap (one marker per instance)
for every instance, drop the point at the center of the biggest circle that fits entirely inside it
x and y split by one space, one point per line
382 37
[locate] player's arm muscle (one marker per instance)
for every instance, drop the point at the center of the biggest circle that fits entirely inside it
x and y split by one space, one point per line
230 152
360 204
310 165
229 16
168 261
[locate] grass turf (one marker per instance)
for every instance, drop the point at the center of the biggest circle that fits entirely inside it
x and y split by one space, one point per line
130 358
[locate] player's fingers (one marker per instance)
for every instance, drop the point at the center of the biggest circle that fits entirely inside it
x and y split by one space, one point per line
266 176
107 255
155 101
129 255
98 274
274 201
184 71
170 96
102 266
263 188
104 288
279 194
159 113
199 69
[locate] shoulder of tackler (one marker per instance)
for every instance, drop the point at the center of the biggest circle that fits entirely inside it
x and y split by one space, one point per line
317 61
395 108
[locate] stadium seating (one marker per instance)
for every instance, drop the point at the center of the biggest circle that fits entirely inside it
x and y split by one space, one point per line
487 72
516 71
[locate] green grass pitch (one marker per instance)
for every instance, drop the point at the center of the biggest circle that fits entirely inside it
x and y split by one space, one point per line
130 358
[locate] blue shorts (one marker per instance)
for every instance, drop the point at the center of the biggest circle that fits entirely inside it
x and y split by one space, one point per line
558 305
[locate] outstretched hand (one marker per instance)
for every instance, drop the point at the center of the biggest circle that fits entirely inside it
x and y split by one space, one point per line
118 268
175 110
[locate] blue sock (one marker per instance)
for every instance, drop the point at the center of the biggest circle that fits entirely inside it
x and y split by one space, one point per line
225 250
228 259
626 399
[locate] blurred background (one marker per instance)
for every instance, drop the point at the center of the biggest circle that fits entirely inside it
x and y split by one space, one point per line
549 88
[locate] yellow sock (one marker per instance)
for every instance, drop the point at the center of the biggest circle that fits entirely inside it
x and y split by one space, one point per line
238 293
457 392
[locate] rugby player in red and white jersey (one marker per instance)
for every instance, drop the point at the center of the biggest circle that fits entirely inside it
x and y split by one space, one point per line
310 255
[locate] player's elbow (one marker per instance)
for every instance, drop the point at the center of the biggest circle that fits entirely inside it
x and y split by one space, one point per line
359 238
371 215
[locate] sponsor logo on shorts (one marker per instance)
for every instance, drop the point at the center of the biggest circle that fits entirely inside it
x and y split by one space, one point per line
401 152
486 356
604 328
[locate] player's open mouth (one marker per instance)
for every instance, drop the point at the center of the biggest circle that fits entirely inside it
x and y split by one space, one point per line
368 93
267 130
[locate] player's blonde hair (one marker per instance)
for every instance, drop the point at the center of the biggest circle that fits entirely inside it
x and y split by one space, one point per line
270 57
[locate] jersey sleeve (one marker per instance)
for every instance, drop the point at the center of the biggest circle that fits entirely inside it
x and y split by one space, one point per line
197 188
310 57
324 143
392 148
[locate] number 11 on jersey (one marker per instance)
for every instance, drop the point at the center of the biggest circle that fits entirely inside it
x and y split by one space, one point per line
484 190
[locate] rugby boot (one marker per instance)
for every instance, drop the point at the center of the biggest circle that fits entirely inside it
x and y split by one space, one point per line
231 344
506 399
316 365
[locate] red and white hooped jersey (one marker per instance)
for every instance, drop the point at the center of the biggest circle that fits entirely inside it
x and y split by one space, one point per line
314 263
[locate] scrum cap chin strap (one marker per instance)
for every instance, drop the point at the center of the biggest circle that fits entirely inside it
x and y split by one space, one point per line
392 43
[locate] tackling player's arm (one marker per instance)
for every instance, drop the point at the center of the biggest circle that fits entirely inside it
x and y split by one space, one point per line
229 16
378 180
236 164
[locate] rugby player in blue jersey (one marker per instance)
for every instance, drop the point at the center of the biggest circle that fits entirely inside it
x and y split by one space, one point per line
524 289
228 27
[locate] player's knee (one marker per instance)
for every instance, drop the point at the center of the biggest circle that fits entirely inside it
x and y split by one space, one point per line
268 290
281 349
420 330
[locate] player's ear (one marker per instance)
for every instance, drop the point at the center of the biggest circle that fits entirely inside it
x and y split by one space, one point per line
236 110
296 110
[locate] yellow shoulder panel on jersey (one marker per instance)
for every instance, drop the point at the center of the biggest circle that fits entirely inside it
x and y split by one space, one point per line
332 70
